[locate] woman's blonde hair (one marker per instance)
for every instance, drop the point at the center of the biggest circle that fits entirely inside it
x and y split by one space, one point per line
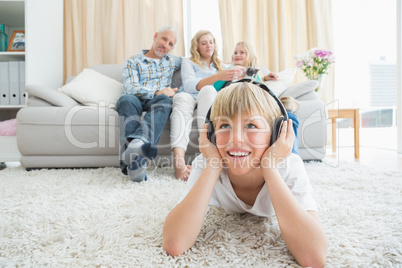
244 98
251 59
195 54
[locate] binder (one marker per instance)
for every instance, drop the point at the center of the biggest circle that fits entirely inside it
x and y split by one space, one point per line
22 82
13 74
4 84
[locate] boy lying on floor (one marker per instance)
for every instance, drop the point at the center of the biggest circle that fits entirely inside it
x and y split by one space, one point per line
243 170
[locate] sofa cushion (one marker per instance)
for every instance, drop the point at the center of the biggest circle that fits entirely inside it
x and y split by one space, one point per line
285 78
176 79
8 127
92 88
50 95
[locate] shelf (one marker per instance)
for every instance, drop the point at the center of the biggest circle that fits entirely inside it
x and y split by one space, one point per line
11 107
20 53
12 56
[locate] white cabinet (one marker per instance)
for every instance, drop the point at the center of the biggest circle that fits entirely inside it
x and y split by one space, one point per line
44 36
42 21
12 14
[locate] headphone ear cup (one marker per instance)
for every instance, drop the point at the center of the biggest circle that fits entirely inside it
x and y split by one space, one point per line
211 133
276 129
211 130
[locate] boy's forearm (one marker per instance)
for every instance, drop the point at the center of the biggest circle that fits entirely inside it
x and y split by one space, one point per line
184 222
301 230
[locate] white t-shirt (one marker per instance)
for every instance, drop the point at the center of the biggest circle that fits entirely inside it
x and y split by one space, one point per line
291 170
154 60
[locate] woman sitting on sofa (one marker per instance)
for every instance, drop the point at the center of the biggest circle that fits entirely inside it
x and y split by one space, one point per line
198 74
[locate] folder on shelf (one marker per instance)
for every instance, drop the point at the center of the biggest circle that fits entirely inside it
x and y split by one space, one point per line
22 82
4 84
14 80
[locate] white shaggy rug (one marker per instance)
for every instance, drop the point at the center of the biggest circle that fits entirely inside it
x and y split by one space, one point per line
98 218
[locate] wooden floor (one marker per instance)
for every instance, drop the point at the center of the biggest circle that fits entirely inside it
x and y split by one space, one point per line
369 156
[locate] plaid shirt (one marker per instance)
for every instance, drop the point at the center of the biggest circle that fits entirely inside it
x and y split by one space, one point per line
143 76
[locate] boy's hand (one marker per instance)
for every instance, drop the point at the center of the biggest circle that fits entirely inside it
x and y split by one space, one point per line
208 150
282 147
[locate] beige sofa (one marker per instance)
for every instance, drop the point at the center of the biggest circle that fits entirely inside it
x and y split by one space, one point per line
55 131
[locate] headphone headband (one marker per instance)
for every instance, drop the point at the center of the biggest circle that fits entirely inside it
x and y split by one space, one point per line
266 88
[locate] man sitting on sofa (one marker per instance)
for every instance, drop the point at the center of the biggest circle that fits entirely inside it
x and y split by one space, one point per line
146 78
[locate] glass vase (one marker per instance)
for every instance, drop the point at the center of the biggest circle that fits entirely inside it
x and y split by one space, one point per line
319 79
3 38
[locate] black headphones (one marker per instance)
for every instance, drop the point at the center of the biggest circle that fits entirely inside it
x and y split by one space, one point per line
276 130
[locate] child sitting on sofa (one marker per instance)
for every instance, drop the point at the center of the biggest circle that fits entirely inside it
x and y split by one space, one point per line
244 172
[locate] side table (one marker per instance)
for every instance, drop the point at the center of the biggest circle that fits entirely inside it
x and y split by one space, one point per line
334 114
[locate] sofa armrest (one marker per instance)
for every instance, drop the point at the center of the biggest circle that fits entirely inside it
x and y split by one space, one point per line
51 96
37 102
309 96
300 89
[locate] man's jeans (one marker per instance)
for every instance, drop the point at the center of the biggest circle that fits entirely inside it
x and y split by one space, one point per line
149 129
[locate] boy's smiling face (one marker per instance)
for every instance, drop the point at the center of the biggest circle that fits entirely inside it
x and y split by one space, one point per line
242 140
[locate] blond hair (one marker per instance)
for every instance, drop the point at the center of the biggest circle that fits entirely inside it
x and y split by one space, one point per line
195 54
251 59
245 98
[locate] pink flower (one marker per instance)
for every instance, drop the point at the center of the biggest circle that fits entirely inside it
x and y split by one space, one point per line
299 63
322 53
315 62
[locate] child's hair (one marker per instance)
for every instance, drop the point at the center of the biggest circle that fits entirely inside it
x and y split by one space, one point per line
251 59
195 54
245 98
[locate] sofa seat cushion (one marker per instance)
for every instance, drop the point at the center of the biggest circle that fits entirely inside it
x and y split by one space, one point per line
82 131
67 131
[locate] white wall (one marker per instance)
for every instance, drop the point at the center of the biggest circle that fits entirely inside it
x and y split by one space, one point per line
44 39
201 15
399 75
